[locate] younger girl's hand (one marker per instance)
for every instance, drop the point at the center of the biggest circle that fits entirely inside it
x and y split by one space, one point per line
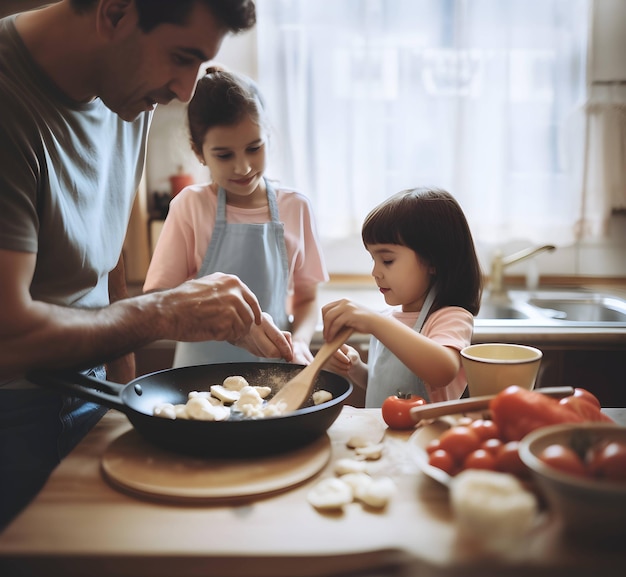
343 360
346 313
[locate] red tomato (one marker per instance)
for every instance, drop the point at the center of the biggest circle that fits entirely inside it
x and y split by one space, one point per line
517 412
492 445
564 459
480 459
396 410
508 460
459 441
485 429
586 409
442 460
587 396
609 461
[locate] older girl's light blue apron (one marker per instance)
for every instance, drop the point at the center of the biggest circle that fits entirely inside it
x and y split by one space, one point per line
257 254
387 375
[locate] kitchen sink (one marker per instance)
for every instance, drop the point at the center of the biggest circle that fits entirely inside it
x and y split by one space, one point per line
573 308
489 310
590 309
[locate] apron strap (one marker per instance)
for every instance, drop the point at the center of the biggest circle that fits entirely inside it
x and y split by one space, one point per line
428 303
272 201
220 214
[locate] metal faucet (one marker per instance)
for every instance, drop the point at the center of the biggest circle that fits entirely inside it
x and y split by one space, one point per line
499 263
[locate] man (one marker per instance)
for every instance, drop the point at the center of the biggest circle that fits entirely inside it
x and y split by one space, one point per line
78 82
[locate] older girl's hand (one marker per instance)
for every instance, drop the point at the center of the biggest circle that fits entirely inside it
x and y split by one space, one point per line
267 340
302 354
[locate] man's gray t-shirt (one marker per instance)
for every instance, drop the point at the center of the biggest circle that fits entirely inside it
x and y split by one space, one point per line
68 177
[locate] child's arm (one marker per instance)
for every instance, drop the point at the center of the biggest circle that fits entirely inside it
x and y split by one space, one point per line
436 364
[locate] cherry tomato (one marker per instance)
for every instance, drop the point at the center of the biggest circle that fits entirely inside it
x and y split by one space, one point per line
492 445
485 429
480 459
564 459
396 410
459 441
442 460
609 461
508 460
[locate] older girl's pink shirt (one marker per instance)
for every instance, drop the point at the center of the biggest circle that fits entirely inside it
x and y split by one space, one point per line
451 327
187 231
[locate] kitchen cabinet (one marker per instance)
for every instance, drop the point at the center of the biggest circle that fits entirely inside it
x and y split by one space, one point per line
601 370
155 356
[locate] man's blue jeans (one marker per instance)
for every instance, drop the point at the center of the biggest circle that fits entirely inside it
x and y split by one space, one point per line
38 428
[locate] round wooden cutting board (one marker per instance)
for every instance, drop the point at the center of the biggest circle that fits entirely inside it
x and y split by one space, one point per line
135 465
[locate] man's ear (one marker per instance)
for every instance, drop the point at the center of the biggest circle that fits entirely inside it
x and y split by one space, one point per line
111 13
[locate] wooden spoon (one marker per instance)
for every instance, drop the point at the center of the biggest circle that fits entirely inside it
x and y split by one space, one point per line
435 410
296 392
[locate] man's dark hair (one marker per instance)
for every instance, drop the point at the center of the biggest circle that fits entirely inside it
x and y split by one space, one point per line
234 15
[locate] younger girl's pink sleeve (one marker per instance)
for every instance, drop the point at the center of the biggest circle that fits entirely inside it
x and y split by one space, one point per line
451 327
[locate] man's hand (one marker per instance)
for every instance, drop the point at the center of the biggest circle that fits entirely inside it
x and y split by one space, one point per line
217 307
267 340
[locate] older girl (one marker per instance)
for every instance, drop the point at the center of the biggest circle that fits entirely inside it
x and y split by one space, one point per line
240 223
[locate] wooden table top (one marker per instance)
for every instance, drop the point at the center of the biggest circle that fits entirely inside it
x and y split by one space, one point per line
81 525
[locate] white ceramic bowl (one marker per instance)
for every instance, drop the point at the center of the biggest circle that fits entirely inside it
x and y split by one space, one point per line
492 367
590 509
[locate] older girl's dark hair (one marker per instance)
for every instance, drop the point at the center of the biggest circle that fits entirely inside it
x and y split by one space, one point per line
222 98
234 15
431 222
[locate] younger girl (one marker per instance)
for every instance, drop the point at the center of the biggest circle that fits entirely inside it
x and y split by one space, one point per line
239 223
425 264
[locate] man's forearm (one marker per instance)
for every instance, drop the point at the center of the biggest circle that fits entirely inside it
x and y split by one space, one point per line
60 337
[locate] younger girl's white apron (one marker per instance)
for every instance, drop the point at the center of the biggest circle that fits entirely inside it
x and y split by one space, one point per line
257 254
387 375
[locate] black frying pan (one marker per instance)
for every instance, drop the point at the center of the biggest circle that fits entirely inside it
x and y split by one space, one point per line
234 438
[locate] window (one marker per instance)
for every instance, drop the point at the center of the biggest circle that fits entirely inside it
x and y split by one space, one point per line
484 98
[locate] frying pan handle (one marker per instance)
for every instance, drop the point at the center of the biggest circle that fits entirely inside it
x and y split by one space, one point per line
74 382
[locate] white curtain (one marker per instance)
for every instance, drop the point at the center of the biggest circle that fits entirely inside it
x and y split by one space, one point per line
482 97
